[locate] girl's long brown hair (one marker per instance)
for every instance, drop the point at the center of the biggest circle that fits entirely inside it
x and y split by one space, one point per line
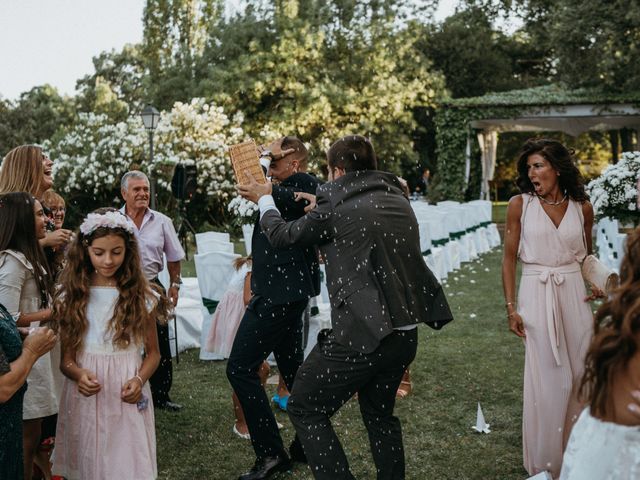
616 333
18 232
130 315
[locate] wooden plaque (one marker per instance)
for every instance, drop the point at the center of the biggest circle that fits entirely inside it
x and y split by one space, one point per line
244 158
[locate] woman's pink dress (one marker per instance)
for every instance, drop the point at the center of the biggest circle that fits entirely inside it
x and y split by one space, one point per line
228 314
558 326
101 437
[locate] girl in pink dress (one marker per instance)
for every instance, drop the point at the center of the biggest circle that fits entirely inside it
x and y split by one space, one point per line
230 310
105 422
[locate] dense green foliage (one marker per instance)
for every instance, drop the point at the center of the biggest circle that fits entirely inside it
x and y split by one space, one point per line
322 69
453 118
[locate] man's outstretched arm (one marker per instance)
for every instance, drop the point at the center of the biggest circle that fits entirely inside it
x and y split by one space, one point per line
311 229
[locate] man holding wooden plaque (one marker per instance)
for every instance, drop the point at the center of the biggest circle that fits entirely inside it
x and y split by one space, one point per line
282 281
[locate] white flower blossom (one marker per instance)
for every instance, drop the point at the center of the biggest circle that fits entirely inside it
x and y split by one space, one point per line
93 155
615 192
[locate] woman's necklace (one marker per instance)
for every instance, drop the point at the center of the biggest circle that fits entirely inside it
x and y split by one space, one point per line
554 204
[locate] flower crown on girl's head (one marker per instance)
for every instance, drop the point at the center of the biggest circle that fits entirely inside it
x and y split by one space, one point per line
113 219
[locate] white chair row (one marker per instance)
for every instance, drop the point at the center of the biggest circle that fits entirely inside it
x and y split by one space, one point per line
452 233
610 242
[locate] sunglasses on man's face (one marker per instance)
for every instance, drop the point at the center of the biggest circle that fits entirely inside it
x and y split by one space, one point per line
272 156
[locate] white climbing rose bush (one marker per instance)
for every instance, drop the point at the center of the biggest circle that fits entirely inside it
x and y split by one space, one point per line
614 193
92 155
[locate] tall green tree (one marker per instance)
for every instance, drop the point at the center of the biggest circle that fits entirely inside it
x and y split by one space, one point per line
175 34
598 43
117 84
321 80
476 57
587 43
36 116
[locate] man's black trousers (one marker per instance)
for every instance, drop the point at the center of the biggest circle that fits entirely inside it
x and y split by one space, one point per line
265 328
330 376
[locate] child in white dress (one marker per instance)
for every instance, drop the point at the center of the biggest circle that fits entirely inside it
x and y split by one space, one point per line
605 441
106 423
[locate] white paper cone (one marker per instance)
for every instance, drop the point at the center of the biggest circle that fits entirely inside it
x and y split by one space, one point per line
481 426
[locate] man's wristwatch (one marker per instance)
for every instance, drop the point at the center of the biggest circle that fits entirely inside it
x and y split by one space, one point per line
176 283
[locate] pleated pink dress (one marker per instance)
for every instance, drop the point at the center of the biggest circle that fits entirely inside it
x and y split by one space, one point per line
229 312
558 325
101 437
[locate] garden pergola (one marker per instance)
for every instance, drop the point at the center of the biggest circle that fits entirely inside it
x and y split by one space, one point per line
548 108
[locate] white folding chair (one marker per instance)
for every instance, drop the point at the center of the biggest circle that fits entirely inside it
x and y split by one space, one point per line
207 245
214 269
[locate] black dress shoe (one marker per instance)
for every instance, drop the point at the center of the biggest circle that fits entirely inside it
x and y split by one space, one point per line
297 452
169 406
265 467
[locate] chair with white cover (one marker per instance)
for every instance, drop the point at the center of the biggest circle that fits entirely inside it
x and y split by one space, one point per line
433 237
461 219
214 270
445 254
247 236
451 226
605 249
616 242
210 245
478 232
188 315
220 236
493 236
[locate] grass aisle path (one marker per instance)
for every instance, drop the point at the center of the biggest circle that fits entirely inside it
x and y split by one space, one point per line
473 359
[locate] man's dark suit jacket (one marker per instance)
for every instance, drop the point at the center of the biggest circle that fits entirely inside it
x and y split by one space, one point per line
376 276
290 273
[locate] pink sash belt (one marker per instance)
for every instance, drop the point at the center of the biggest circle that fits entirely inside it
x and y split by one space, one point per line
552 277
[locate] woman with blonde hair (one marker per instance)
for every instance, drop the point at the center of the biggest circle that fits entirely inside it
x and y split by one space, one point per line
28 169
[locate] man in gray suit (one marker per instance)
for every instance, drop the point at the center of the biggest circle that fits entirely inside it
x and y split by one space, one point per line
379 288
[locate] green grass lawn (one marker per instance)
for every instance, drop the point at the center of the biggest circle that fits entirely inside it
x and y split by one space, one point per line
474 359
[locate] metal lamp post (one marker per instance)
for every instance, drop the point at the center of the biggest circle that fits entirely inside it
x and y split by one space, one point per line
150 118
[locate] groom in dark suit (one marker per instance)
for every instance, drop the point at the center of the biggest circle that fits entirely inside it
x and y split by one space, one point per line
282 281
380 289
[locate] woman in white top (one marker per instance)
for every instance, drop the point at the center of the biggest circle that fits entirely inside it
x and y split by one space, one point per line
24 291
605 442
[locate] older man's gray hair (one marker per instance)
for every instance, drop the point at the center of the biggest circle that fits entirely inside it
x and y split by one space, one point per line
124 183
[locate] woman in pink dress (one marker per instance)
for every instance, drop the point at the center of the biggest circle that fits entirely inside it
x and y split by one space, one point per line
549 230
105 423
